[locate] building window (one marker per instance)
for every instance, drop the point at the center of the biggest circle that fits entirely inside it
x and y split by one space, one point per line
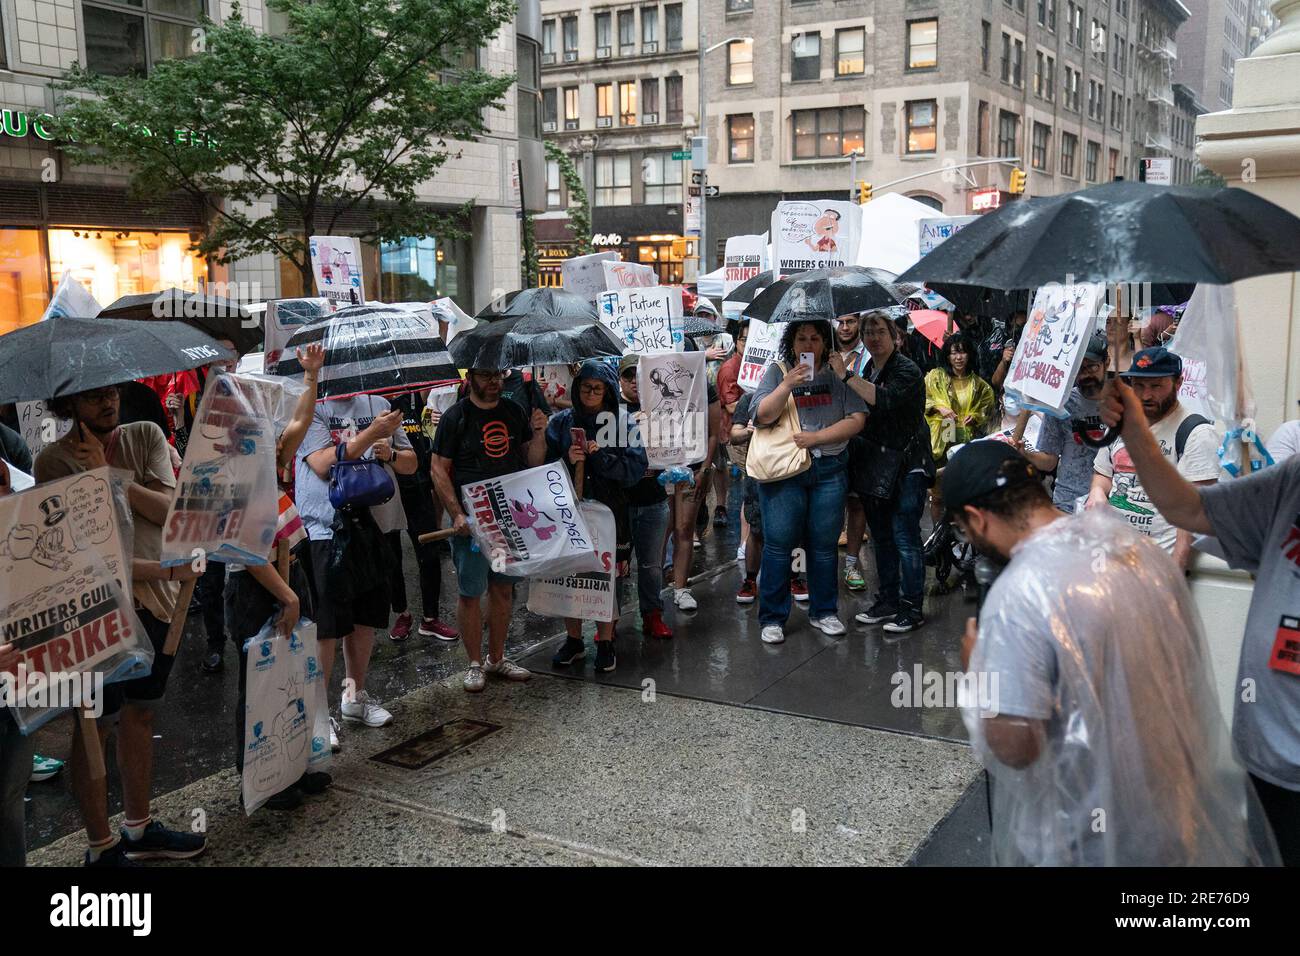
983 129
649 29
1074 24
740 6
528 100
828 133
650 101
1112 164
570 25
604 35
604 104
1098 42
571 114
673 26
850 51
614 179
130 38
1069 147
626 32
805 56
1096 100
662 177
740 62
673 99
548 42
550 110
1008 133
1047 14
111 264
1041 146
922 44
1090 163
922 126
1006 58
740 138
24 272
627 103
1018 63
984 45
554 199
1072 78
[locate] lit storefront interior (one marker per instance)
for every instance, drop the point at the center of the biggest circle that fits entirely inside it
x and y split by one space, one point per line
666 253
411 270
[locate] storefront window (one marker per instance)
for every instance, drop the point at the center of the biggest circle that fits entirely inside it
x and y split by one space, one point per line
424 269
112 263
23 292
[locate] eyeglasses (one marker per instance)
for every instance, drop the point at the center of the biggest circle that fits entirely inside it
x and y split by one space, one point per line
628 375
101 396
592 388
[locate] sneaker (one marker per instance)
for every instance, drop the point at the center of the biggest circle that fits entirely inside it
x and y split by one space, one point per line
772 634
853 578
605 660
652 625
44 768
908 619
401 628
740 553
507 669
314 783
799 589
879 612
159 843
573 649
432 627
364 710
697 543
829 625
113 856
748 592
335 746
474 680
289 799
719 517
683 599
212 662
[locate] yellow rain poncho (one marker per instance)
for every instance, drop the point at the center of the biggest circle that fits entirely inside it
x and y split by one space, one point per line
969 397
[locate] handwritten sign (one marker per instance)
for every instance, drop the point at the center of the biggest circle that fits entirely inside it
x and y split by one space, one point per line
647 321
674 408
336 263
935 232
585 595
628 275
815 235
760 351
1051 349
585 275
285 317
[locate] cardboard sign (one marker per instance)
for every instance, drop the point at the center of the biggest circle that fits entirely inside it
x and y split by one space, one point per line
745 257
452 319
1050 351
647 321
285 317
585 275
815 235
628 275
674 408
336 262
588 595
527 524
761 349
935 231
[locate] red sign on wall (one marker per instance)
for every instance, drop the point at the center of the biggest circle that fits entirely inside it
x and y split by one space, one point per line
985 200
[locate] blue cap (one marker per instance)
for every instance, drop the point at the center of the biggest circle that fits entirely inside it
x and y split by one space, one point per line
1157 362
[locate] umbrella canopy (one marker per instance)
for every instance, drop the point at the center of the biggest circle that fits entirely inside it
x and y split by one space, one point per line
63 356
220 318
694 325
552 303
373 349
931 323
748 290
522 340
981 300
823 294
1120 231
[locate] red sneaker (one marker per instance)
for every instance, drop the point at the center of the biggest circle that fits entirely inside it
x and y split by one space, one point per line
432 627
748 592
652 625
799 589
401 628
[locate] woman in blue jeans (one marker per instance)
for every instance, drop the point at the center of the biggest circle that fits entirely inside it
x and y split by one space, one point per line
807 510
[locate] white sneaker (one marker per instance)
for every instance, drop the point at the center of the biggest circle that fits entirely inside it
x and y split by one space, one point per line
830 625
507 670
335 746
740 554
474 681
772 634
364 710
683 599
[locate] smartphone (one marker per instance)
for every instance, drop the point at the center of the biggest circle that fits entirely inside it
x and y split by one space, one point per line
806 358
579 437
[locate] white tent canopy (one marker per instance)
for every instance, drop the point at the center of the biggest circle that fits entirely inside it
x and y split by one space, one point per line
890 236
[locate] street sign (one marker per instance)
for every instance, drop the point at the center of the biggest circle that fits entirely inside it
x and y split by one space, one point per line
693 190
697 178
1159 170
680 154
712 191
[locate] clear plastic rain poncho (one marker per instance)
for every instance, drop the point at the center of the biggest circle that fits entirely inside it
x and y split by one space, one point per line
1091 654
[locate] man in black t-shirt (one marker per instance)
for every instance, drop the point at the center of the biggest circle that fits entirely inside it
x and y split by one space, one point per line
483 436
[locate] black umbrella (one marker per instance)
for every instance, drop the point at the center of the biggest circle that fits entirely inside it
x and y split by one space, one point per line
553 303
63 356
1119 231
823 294
748 290
981 300
220 318
523 340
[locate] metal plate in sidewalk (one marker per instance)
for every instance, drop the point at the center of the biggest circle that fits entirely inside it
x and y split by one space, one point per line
425 748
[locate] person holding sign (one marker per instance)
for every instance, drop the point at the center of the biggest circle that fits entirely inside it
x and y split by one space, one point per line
806 509
138 452
16 751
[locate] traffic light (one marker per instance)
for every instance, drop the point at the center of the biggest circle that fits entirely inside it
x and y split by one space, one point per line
864 193
1017 181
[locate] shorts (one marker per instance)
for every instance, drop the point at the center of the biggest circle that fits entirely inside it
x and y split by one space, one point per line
751 509
473 569
144 691
338 617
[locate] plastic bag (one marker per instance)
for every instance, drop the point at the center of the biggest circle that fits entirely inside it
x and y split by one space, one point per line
278 725
1090 700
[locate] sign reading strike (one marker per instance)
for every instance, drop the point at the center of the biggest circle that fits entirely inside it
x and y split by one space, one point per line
628 275
815 235
647 321
1052 346
586 595
336 262
745 257
760 351
528 524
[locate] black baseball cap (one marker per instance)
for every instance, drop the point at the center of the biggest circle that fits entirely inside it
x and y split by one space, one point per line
1097 346
1156 362
981 468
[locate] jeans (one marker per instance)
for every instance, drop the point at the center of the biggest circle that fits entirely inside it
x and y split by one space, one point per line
896 537
1282 808
806 510
649 525
15 770
208 590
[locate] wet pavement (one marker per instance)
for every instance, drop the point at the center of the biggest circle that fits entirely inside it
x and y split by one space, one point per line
715 659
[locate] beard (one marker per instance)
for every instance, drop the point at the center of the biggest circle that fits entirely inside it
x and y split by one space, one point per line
1090 388
1161 408
481 392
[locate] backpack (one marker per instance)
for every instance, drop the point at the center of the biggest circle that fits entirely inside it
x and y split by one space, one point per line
1190 423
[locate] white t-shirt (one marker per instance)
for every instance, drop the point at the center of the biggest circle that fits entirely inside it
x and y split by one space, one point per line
1285 441
1200 462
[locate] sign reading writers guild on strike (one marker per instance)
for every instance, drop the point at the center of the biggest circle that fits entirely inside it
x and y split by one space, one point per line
646 321
815 235
761 347
1051 349
336 262
585 595
745 257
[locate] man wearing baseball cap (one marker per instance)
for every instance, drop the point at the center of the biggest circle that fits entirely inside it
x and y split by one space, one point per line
1186 439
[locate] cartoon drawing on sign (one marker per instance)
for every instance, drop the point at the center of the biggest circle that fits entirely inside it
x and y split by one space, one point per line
1070 328
673 387
827 227
526 516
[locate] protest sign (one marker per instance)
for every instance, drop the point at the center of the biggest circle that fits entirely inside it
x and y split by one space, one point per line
452 319
36 423
585 275
815 235
226 494
1208 340
528 524
646 321
935 231
336 262
628 275
760 351
65 599
285 317
587 595
278 723
674 408
1051 348
745 257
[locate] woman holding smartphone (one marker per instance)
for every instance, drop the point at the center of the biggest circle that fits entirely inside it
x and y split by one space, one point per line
807 510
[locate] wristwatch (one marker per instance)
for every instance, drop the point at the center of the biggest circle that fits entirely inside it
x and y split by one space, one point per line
848 374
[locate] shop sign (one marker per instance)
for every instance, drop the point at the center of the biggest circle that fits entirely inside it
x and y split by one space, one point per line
606 239
18 123
985 200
